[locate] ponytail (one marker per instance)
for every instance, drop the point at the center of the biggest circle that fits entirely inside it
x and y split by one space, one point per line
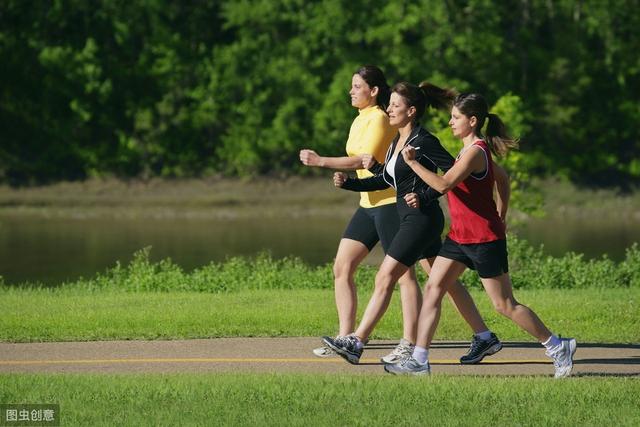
497 138
425 95
437 97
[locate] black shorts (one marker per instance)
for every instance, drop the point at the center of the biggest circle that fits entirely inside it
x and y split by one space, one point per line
370 225
418 236
488 259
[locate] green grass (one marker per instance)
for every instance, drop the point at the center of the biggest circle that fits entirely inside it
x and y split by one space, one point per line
295 399
32 315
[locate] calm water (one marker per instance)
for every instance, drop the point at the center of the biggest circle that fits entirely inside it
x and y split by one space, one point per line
53 250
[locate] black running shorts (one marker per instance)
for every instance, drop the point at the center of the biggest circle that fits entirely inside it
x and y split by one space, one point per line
488 259
419 234
370 225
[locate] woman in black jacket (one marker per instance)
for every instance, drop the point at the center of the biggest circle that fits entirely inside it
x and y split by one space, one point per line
421 219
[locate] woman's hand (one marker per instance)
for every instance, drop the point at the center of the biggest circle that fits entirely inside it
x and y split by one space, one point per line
412 200
409 154
339 178
310 158
368 161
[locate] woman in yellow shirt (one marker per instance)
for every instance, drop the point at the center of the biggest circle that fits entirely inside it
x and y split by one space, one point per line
376 219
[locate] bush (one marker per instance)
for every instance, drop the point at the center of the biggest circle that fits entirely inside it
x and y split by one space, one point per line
530 268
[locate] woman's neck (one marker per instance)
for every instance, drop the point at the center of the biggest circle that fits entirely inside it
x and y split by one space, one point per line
405 130
372 104
470 139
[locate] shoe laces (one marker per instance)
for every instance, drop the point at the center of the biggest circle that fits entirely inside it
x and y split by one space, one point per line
475 344
402 349
348 341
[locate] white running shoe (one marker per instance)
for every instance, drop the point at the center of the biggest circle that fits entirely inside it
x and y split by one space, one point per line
401 352
323 351
409 366
562 356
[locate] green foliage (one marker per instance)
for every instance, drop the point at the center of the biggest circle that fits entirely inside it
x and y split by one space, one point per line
530 269
159 88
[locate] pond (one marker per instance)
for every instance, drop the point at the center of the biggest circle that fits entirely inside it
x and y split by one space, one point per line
51 250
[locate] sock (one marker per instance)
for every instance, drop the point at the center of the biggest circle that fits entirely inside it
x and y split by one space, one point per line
421 354
484 336
552 342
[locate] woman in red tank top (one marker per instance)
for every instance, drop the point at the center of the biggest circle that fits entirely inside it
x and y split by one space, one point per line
477 236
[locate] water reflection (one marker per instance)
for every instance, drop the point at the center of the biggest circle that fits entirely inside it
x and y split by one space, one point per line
54 250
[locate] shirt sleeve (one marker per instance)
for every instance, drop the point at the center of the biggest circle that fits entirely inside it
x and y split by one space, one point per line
377 137
436 153
372 183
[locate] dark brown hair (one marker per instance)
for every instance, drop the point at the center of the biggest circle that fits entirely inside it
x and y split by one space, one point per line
423 96
497 137
375 78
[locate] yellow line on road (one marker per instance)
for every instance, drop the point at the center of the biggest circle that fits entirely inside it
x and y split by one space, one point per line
240 360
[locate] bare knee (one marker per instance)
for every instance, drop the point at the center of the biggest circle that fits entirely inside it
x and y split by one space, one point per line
504 307
385 281
433 294
343 270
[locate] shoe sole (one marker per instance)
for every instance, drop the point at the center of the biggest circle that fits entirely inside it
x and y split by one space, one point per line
349 357
573 346
489 352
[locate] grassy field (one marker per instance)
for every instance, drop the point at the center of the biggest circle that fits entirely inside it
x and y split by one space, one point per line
591 315
302 400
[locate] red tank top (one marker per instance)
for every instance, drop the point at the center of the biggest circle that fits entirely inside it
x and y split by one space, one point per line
474 216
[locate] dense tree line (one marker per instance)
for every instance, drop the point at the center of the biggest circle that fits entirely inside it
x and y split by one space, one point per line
189 88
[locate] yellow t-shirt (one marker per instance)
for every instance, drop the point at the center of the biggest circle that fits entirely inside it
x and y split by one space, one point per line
371 133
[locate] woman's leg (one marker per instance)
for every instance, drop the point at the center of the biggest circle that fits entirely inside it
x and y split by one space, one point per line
461 299
388 274
350 255
560 350
500 292
411 298
444 274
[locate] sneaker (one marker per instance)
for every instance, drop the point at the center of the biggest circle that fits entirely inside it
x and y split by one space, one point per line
323 351
481 348
401 352
562 356
409 366
346 347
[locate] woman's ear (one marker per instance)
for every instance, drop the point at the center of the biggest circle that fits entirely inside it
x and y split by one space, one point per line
473 121
374 91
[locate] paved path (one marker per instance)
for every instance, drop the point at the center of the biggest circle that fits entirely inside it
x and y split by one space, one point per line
294 355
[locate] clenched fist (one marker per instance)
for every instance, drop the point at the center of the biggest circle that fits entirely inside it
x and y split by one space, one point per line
412 200
409 154
309 158
368 161
339 178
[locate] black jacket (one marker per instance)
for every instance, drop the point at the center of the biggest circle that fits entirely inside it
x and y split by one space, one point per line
430 153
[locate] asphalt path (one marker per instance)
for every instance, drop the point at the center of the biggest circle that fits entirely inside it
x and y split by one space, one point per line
279 355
